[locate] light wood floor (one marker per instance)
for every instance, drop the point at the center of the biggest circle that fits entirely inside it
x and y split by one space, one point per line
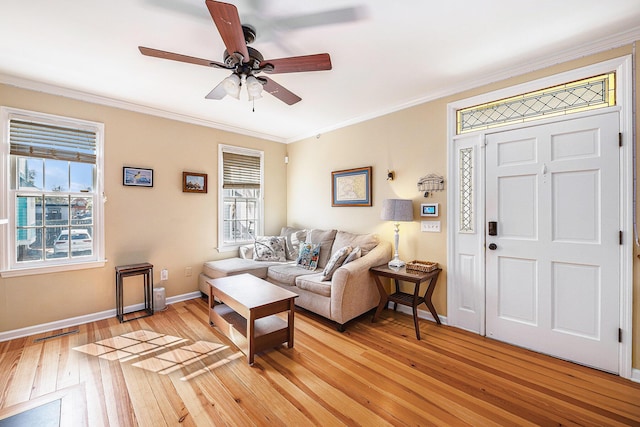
371 375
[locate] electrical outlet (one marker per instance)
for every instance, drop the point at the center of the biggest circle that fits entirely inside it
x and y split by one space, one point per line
187 272
430 226
164 274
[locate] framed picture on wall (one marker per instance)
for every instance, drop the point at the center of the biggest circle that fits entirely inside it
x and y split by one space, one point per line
193 182
351 187
137 177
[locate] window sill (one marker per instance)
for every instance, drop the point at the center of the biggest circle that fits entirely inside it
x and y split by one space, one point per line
29 271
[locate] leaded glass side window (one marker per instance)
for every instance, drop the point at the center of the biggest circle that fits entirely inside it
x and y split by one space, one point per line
466 190
587 94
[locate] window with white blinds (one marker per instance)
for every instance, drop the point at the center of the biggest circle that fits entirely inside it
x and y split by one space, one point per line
241 171
32 139
54 205
240 196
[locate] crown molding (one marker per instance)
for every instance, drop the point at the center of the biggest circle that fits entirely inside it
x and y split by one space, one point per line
50 89
587 49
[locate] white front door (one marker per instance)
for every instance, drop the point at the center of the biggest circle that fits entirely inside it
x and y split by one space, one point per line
552 267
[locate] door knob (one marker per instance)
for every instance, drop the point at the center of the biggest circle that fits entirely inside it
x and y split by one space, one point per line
493 246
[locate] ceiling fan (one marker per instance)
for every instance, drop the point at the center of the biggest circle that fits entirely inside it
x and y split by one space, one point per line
244 62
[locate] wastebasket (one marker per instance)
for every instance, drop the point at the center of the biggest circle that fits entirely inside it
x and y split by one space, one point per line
159 299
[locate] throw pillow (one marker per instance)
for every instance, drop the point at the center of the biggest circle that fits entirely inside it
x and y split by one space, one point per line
269 248
293 236
325 239
309 256
335 262
354 255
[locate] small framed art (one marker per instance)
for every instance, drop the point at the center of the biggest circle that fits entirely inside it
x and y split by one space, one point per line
193 182
137 177
351 187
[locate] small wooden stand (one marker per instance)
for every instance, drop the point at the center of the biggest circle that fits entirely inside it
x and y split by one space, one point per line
123 271
398 297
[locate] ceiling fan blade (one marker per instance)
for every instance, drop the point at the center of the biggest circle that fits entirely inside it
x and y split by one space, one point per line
218 92
295 64
280 92
178 57
227 20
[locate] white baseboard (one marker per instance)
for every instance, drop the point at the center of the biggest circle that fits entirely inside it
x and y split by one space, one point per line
75 321
421 313
635 375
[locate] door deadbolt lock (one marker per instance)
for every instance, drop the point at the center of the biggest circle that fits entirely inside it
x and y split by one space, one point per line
493 228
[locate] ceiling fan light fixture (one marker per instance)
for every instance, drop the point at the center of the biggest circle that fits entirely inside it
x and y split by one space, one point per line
232 86
254 88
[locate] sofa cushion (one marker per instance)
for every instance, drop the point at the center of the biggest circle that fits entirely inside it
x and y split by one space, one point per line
286 274
314 283
366 241
233 266
335 262
354 255
293 237
309 256
325 239
270 248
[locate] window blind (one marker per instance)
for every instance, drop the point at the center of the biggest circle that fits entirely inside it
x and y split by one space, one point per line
240 171
31 139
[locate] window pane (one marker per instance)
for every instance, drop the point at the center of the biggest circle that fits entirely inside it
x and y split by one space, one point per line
56 210
26 251
28 211
82 176
81 241
30 173
56 175
81 211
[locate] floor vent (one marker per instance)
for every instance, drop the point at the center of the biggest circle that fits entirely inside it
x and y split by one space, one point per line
62 334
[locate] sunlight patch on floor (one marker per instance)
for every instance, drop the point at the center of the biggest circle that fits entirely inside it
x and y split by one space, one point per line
167 358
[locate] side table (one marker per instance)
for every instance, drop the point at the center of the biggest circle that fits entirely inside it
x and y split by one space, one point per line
123 271
398 297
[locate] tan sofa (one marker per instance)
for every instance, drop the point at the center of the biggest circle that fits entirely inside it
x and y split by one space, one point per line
350 292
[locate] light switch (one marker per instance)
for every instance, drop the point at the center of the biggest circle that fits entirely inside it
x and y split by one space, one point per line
430 226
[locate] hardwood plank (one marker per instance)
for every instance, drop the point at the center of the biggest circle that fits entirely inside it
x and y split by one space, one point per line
22 377
46 376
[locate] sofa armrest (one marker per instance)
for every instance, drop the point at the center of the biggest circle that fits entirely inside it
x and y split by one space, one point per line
353 290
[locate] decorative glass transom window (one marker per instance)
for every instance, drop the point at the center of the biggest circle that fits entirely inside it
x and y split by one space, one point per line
587 94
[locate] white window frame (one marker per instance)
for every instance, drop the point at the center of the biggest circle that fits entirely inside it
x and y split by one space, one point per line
8 265
222 245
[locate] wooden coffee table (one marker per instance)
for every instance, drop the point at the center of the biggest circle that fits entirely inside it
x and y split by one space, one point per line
247 312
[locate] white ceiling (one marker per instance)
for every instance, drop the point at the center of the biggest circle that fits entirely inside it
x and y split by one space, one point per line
391 55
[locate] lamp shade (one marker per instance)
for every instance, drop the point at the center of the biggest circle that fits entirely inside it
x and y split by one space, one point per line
232 85
397 210
254 88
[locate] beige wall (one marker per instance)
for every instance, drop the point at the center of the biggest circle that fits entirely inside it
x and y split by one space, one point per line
411 142
161 225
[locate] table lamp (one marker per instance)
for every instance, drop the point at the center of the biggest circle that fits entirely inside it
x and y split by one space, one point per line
397 210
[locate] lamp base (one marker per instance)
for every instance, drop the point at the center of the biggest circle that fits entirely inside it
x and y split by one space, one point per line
396 263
